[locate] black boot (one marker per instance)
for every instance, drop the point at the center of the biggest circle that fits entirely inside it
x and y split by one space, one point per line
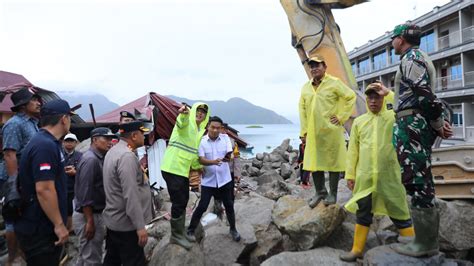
319 188
333 182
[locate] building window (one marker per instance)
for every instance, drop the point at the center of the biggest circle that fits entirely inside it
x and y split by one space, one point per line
456 72
364 66
354 68
394 58
427 42
379 60
457 119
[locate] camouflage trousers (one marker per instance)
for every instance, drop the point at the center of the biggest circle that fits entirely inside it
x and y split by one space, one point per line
413 138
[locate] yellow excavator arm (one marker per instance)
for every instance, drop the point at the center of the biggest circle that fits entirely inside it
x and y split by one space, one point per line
314 31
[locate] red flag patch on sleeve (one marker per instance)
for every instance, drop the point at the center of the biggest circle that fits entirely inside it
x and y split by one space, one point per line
45 167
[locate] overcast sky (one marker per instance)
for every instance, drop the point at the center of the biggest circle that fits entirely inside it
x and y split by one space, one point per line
198 49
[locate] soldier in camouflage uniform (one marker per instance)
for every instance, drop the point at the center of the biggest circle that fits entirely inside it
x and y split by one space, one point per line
419 120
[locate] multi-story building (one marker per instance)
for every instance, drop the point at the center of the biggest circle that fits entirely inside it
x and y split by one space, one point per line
448 38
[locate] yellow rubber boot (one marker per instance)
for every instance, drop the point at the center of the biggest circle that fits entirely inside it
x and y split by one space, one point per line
360 237
407 232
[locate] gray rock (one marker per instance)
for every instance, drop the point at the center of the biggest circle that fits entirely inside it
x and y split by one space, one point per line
290 148
385 255
306 227
259 156
286 156
285 145
270 242
254 210
275 190
456 232
285 170
149 247
256 163
170 255
276 165
266 157
319 256
159 229
244 173
268 177
276 158
253 171
387 237
219 248
343 236
265 168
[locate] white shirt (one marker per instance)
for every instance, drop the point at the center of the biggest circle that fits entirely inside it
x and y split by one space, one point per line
215 175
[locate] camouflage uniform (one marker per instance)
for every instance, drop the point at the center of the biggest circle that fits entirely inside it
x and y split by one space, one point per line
414 134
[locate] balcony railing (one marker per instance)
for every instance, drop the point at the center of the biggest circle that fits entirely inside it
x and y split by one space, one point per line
448 83
468 34
449 40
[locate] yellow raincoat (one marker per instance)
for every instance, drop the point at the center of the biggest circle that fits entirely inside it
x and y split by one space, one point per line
325 144
372 162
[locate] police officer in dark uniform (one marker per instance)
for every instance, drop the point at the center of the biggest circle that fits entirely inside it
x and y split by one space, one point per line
41 229
126 117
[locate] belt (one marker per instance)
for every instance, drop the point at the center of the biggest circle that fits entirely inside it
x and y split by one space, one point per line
407 112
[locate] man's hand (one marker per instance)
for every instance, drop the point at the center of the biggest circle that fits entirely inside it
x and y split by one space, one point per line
446 131
70 170
380 88
62 233
142 237
350 184
333 119
183 110
237 179
89 229
218 161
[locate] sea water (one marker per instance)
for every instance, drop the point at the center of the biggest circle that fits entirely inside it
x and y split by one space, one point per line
268 137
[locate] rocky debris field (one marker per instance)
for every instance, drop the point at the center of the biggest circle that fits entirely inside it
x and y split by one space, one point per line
278 227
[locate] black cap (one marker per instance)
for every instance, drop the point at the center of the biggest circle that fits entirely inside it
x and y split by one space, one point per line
127 114
102 132
22 97
56 107
133 126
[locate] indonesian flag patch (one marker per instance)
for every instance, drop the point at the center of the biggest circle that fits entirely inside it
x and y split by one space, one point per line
45 167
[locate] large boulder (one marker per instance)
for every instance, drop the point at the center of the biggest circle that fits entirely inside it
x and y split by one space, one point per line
269 177
293 158
171 255
219 248
265 168
319 256
306 227
259 156
385 255
456 232
285 170
276 158
254 210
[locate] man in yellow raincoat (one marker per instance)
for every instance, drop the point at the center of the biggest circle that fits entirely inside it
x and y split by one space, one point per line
325 105
180 155
373 173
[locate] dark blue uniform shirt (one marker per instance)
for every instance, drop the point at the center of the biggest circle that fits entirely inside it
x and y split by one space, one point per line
41 160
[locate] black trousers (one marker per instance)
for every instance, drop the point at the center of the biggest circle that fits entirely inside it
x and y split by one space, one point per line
178 188
39 249
224 193
122 249
364 215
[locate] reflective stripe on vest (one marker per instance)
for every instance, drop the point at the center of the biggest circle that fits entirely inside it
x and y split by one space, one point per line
183 147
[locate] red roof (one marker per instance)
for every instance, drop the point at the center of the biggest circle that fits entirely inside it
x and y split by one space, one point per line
164 110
